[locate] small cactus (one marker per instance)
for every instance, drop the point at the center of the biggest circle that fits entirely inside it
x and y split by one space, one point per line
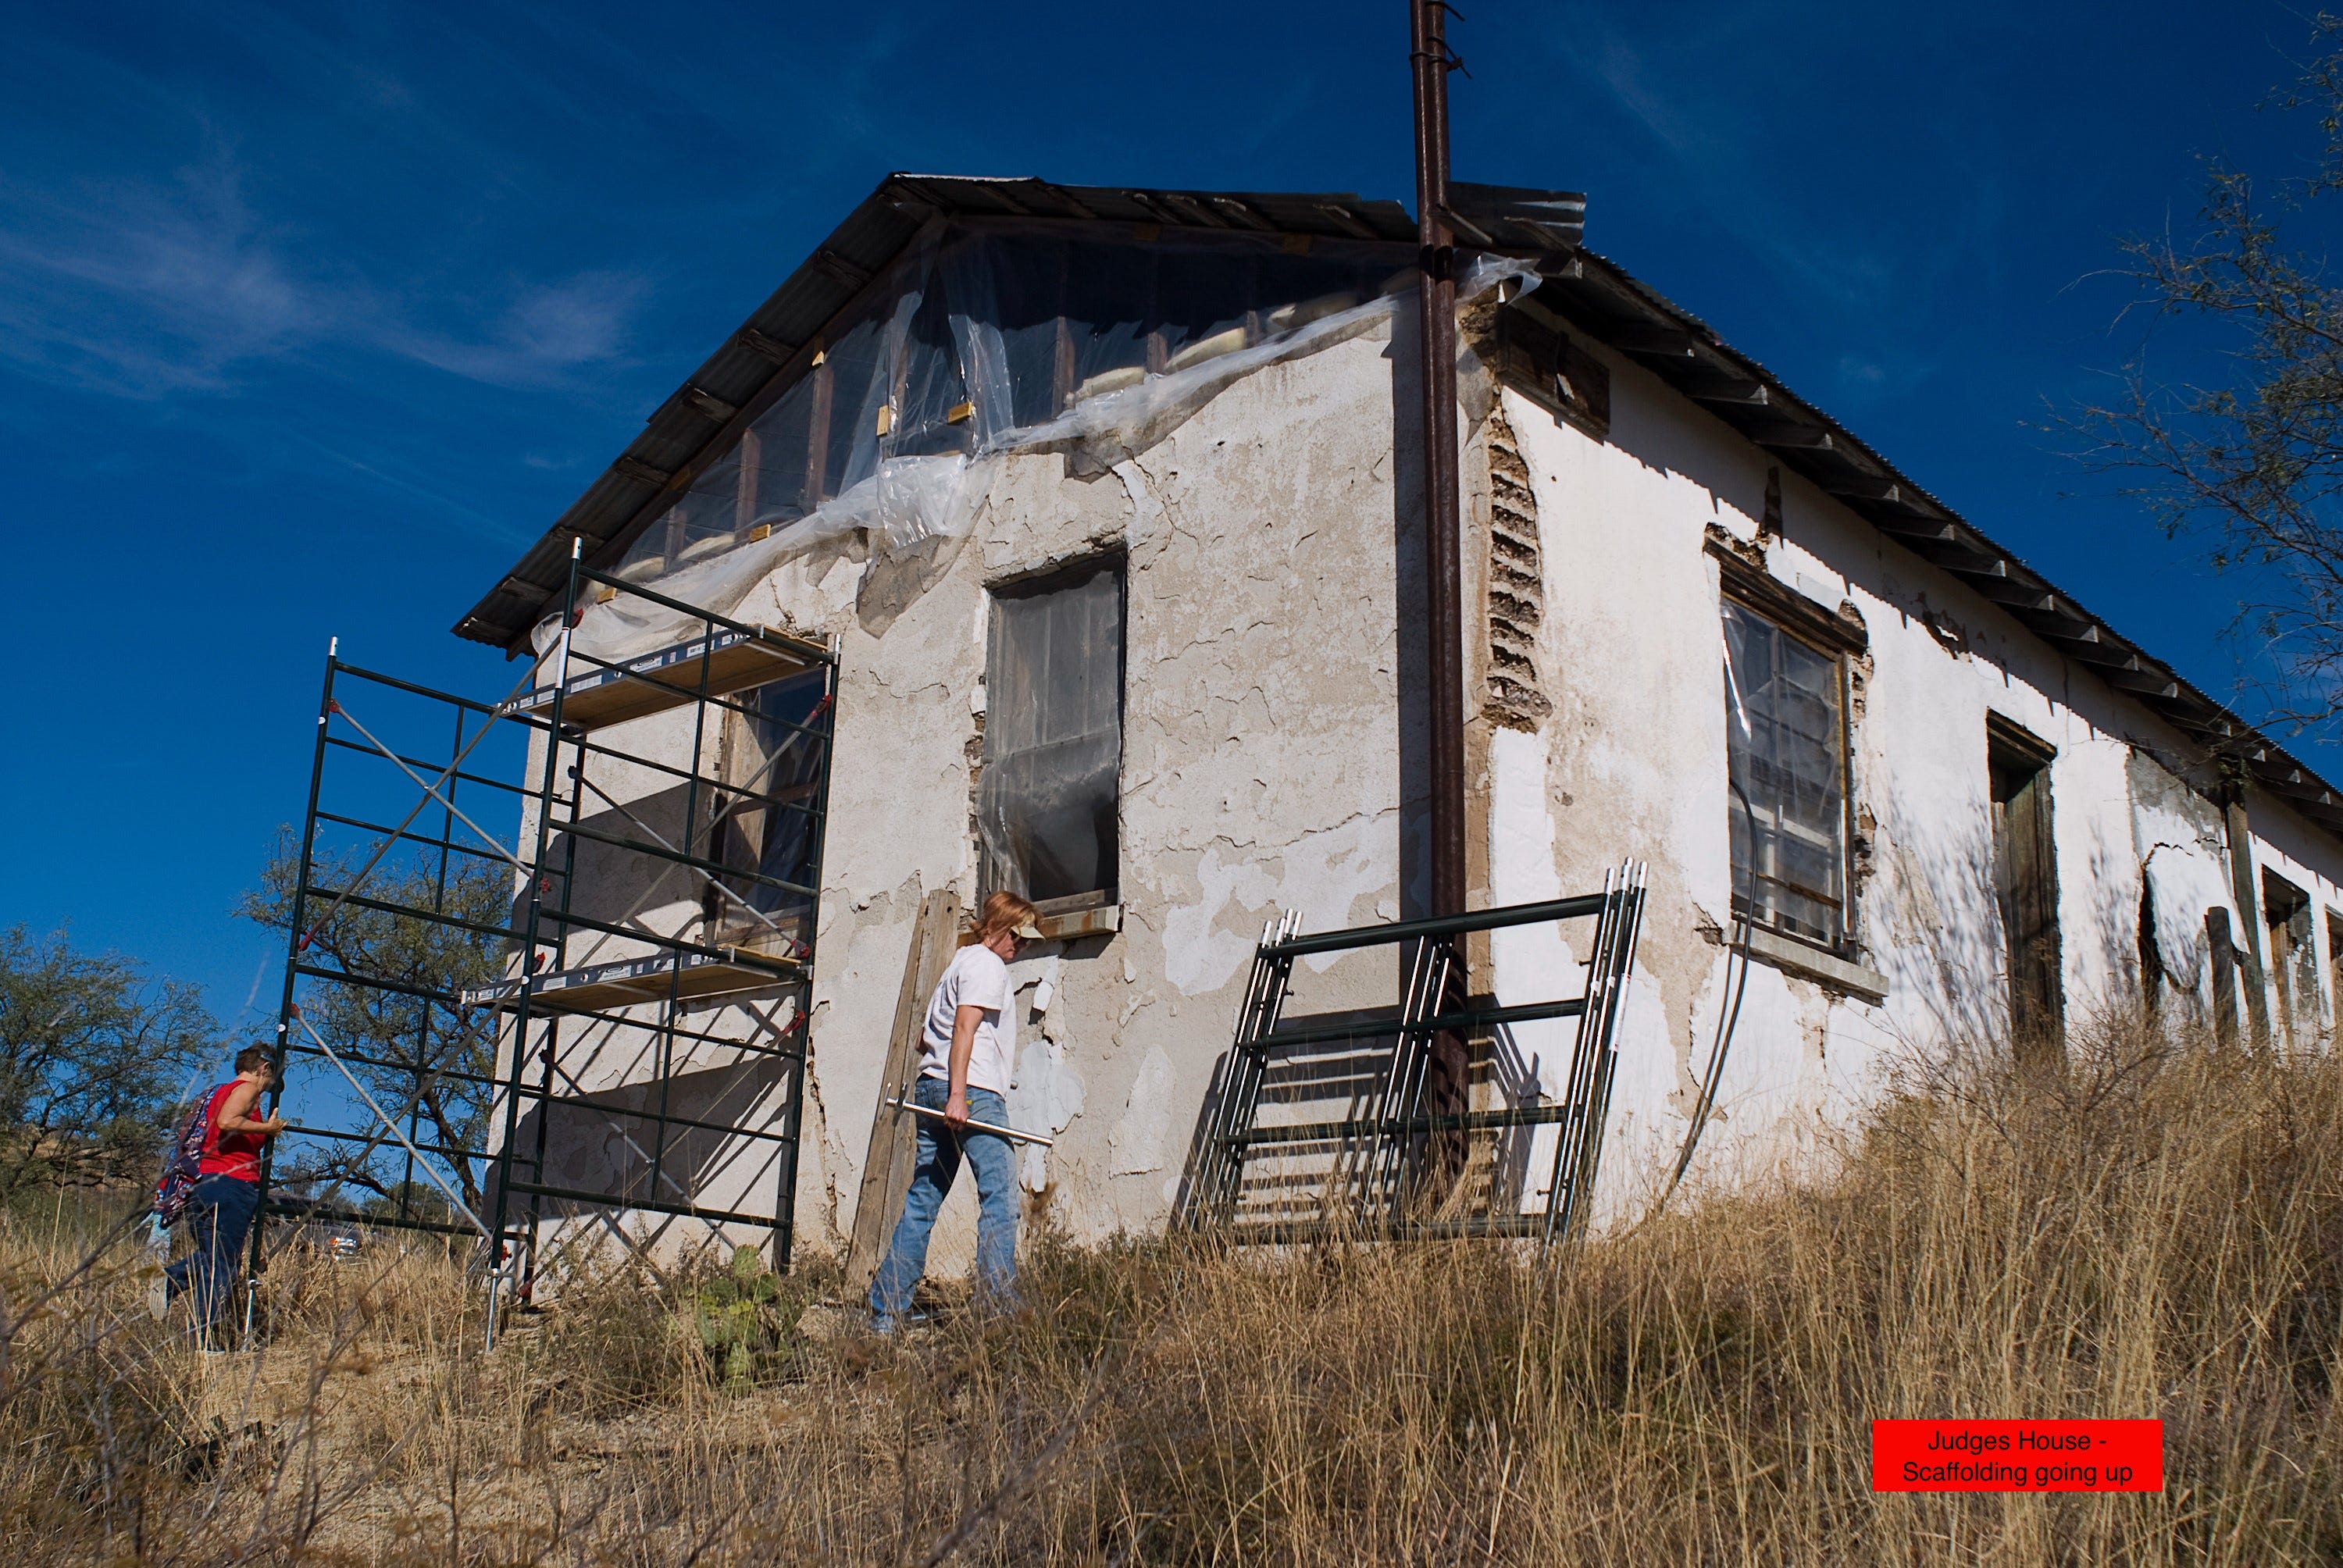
745 1320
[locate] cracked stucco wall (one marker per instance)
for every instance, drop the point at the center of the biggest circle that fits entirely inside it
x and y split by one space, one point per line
1632 761
1261 770
1264 767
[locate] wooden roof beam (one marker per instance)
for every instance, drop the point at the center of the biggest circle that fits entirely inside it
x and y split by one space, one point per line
772 348
1651 340
1734 391
1782 437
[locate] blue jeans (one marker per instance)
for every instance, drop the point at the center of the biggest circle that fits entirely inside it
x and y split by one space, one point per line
996 1199
220 1218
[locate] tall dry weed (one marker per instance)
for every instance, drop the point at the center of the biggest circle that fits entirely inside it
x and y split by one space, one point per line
2151 1231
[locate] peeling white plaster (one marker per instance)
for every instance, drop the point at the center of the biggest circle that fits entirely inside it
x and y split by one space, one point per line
2184 883
1322 874
1146 506
1136 1144
1045 1096
1530 963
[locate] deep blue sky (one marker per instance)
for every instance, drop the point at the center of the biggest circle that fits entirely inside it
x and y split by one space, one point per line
312 318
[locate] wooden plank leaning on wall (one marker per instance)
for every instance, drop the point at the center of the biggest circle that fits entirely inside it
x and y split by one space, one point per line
887 1167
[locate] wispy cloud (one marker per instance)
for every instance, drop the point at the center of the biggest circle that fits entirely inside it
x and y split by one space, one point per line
149 288
145 289
546 329
503 529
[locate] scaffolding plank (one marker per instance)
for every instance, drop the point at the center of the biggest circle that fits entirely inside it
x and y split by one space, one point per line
670 678
690 977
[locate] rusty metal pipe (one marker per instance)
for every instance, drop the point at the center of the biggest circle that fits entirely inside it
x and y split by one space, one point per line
1445 1089
1444 611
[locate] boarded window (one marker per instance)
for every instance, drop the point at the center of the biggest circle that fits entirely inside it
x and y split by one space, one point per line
1786 744
1047 805
2025 882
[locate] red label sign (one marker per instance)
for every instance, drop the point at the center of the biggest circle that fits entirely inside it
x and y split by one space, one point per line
2016 1456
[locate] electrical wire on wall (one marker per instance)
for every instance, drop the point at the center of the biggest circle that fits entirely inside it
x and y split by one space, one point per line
1729 1015
1735 985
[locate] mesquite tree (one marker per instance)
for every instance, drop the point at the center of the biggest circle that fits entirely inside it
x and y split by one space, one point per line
409 1048
94 1056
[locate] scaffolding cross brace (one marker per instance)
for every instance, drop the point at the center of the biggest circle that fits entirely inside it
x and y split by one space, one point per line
475 986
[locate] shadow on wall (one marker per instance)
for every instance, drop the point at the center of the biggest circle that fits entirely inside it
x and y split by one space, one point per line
1330 1081
1408 586
623 887
607 1144
1948 973
614 885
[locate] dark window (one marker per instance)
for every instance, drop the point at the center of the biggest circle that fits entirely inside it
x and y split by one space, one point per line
2026 883
1786 744
2294 957
768 819
2222 949
1047 804
2334 956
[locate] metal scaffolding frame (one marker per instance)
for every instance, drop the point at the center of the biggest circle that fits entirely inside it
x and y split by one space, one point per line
569 967
1381 1159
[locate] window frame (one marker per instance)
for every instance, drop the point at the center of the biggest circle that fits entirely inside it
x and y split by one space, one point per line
1836 635
2012 750
1062 575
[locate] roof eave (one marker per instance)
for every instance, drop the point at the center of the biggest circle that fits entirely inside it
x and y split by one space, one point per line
1607 304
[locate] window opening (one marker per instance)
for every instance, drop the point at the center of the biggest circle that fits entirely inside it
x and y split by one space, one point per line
2025 883
2151 957
768 822
1047 802
2221 948
2334 955
1786 743
2294 957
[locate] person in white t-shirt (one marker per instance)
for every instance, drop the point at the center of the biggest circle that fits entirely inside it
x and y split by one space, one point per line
966 1046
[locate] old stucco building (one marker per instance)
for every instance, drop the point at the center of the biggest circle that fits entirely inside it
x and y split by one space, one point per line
1108 501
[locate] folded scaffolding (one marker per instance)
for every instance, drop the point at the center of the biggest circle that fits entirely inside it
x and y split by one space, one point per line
1392 1165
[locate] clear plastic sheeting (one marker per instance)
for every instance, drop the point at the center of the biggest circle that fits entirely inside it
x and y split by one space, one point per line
990 340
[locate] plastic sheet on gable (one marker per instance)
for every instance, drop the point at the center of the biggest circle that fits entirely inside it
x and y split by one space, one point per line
990 341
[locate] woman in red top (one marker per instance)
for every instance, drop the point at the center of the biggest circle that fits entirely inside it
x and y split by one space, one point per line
227 1192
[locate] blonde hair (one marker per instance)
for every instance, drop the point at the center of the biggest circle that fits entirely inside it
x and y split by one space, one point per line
1005 912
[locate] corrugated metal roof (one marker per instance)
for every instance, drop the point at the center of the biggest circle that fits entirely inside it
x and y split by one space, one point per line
1596 296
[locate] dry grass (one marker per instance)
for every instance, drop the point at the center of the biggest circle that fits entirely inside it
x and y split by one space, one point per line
2152 1233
